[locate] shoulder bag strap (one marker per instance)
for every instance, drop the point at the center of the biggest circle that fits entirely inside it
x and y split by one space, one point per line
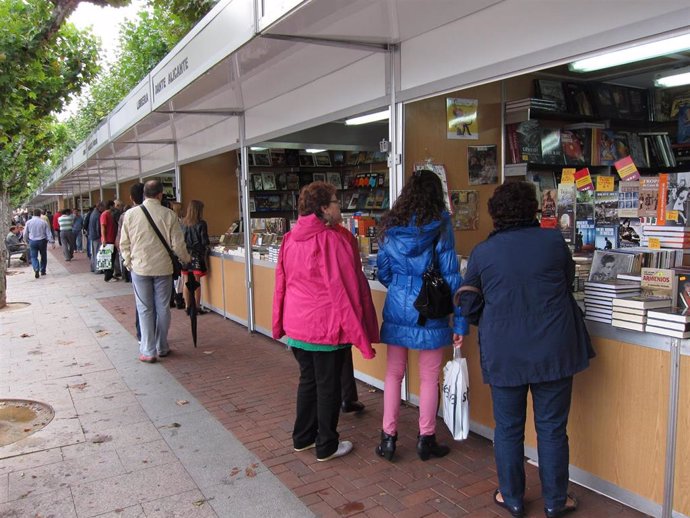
158 232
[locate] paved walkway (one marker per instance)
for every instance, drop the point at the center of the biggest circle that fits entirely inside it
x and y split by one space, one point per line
124 442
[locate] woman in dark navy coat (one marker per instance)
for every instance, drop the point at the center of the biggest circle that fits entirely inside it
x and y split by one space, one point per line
531 338
417 224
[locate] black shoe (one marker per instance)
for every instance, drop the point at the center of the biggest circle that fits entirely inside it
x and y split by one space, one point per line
517 511
428 447
179 301
43 273
37 275
352 406
556 513
387 447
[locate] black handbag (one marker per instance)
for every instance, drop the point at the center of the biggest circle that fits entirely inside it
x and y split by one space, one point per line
470 300
434 299
176 264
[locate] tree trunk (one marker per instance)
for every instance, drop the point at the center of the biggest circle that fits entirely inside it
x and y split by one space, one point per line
4 230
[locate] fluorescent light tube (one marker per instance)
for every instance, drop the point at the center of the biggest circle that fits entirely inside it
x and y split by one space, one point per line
365 119
254 148
632 54
680 79
311 150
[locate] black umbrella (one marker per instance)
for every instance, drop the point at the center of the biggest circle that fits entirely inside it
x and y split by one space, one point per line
192 284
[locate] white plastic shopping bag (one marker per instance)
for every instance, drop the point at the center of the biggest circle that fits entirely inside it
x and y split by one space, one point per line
456 404
104 258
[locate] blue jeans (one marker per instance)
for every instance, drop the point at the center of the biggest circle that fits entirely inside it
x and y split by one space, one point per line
78 236
37 246
551 403
152 294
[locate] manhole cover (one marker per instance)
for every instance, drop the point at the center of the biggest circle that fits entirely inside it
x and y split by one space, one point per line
20 418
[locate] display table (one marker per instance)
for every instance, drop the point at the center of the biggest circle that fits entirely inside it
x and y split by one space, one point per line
623 409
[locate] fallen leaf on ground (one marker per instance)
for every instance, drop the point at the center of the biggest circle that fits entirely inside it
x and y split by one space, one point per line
371 390
101 439
182 402
80 386
101 333
250 472
209 352
25 335
171 425
199 503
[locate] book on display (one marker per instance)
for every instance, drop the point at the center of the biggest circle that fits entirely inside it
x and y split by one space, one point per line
628 317
644 302
614 285
629 311
667 332
672 314
633 326
667 324
598 319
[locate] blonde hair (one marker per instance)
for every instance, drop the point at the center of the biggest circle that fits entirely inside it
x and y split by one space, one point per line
195 213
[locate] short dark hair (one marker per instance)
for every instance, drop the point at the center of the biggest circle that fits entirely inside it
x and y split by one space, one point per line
152 188
136 192
313 197
607 258
513 204
110 204
37 212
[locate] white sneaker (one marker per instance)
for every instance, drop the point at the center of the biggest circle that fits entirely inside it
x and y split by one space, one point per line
344 447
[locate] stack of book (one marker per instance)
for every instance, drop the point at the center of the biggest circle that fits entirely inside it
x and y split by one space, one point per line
674 322
533 103
582 267
631 312
668 236
600 295
273 252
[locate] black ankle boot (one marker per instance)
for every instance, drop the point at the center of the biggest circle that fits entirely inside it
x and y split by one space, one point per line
428 447
179 301
387 447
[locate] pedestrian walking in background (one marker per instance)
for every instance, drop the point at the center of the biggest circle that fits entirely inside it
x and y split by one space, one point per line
533 339
69 243
37 233
319 304
417 224
77 228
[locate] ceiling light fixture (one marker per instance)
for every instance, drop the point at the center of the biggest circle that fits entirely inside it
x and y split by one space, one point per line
313 151
255 148
366 119
678 77
632 54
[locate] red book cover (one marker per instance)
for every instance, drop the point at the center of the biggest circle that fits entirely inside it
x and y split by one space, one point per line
662 199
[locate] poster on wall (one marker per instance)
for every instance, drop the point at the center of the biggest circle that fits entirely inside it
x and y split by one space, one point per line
465 214
461 118
481 164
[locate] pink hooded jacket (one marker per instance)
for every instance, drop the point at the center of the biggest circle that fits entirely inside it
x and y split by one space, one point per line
321 295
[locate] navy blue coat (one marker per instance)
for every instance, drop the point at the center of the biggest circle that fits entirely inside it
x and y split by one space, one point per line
531 329
402 259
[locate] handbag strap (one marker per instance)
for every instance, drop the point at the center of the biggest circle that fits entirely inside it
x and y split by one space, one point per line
158 232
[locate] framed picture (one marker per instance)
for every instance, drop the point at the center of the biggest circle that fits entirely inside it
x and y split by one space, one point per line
338 157
352 158
257 182
461 119
334 180
281 181
269 181
252 204
322 159
465 213
306 160
263 158
278 157
481 164
293 181
319 177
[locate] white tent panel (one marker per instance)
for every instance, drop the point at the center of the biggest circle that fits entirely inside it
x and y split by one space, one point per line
161 158
212 140
230 28
359 83
79 155
513 36
272 10
132 109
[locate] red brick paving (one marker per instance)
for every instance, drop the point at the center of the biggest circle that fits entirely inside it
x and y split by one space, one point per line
248 382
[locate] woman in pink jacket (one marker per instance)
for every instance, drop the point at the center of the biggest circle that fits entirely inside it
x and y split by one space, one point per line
323 305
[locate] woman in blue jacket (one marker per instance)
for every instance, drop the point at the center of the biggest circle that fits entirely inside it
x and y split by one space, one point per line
531 338
416 224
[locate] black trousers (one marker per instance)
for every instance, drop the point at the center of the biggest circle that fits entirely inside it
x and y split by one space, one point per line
347 380
318 400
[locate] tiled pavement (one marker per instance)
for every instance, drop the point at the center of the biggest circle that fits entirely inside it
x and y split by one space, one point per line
248 382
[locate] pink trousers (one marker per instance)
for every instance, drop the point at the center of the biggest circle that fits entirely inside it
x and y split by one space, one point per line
429 368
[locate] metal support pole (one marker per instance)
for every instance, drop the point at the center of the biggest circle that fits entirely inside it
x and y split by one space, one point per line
117 184
671 429
246 225
178 176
